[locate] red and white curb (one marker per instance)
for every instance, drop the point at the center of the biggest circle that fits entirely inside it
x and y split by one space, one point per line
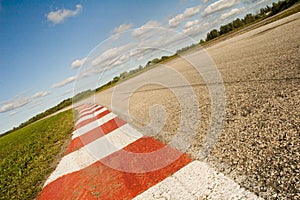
99 149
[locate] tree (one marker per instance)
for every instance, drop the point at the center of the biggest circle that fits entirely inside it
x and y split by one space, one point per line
155 60
237 23
123 75
224 29
116 79
212 34
248 18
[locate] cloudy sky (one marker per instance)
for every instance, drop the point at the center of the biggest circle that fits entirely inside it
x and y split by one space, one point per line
43 44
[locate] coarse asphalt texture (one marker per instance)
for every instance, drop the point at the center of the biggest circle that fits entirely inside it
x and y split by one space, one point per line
108 159
259 144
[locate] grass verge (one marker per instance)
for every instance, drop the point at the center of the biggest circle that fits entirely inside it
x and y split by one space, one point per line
26 155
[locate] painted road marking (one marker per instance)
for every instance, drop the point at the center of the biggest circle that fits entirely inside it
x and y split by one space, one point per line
93 124
88 116
95 151
103 182
197 180
88 108
90 111
91 114
87 121
90 136
108 159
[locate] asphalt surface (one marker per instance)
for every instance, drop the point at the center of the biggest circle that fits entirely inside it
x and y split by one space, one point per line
257 85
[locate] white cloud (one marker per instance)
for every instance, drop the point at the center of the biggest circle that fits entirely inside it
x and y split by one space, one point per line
189 12
146 29
13 113
143 52
41 94
13 104
234 11
18 102
155 42
59 16
191 23
123 27
120 60
206 24
118 30
254 1
64 82
109 56
192 30
219 5
78 62
175 21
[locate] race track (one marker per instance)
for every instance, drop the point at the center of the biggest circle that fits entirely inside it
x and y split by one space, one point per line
258 146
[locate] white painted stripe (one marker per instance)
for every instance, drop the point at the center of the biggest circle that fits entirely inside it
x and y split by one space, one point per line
94 114
88 111
95 151
90 126
91 109
197 181
85 109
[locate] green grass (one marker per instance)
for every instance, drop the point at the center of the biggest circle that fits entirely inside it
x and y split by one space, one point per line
26 155
267 20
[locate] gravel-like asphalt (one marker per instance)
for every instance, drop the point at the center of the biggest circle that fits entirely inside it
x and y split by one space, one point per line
259 146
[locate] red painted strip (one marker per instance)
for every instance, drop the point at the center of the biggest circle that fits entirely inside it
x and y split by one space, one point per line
91 107
94 134
80 108
91 112
88 109
98 181
87 121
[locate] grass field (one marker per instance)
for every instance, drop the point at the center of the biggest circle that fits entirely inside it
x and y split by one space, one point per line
26 155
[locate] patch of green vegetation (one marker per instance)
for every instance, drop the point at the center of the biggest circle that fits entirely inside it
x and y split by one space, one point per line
61 105
26 155
135 72
251 19
225 30
287 13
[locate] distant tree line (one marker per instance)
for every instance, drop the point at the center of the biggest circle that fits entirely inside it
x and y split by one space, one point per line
249 18
61 105
127 74
186 48
237 23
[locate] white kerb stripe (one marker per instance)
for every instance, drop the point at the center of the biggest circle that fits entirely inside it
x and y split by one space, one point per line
89 111
90 126
87 108
94 114
95 151
197 180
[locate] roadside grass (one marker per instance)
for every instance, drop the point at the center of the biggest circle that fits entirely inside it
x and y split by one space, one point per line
26 155
251 26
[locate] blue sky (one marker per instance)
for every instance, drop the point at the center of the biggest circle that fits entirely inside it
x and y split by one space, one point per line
44 43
